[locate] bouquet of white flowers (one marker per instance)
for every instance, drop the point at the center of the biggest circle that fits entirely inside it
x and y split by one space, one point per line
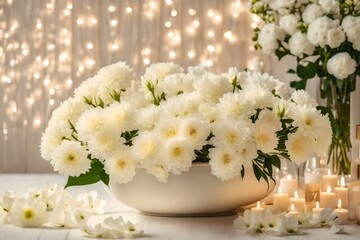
233 121
324 37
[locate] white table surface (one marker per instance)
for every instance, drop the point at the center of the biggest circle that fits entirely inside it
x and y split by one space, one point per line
200 228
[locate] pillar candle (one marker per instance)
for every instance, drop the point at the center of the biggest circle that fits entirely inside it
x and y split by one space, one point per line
288 185
257 210
342 214
293 213
329 180
341 193
299 203
354 200
327 199
312 192
317 210
281 201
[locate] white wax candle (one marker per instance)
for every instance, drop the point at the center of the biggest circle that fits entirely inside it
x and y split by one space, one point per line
281 201
327 199
258 209
341 193
342 214
354 200
329 180
288 185
292 212
317 210
299 203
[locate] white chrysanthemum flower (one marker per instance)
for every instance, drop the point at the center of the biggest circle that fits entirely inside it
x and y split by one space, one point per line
87 88
121 166
269 36
146 118
209 112
146 146
115 76
119 116
6 202
268 118
247 153
211 86
179 155
176 84
236 105
341 65
281 4
182 106
335 37
303 98
300 45
289 23
231 134
300 147
318 30
312 12
195 131
308 119
264 137
283 108
52 138
28 213
168 127
104 142
225 163
135 98
196 71
258 96
264 80
90 122
70 158
160 171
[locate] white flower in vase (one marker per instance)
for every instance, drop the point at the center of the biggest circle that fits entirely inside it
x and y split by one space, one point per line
265 137
70 158
289 23
121 165
269 36
303 98
160 171
283 108
118 116
211 87
300 45
311 12
89 123
176 84
329 6
341 65
324 135
300 147
309 120
146 147
279 4
195 131
247 153
335 37
147 117
351 26
236 105
180 154
225 163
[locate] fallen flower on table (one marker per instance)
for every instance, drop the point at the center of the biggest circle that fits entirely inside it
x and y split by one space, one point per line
272 224
113 228
50 206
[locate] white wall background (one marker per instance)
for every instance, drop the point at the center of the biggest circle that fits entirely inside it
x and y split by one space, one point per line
48 47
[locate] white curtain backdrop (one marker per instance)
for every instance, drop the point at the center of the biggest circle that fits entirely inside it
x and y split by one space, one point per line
48 47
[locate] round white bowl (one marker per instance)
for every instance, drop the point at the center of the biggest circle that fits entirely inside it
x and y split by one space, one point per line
196 192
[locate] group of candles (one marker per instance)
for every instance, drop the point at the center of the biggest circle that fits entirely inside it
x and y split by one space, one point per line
329 192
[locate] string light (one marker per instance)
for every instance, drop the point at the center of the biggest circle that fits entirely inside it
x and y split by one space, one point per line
80 21
115 46
174 13
167 24
90 45
192 12
211 48
146 61
172 54
191 54
129 10
211 34
113 22
111 8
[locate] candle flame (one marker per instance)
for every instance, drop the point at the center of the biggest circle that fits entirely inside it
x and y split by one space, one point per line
292 208
279 189
317 204
258 204
328 189
289 176
342 181
339 204
296 195
328 172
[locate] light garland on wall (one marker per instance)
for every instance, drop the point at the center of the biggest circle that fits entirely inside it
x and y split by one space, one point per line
48 47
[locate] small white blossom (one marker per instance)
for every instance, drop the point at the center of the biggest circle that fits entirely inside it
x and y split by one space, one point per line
341 65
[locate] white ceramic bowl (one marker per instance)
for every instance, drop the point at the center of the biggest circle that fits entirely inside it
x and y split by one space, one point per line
196 192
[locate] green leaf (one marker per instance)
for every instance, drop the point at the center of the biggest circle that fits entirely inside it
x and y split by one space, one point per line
257 171
280 54
291 71
275 160
242 172
299 85
93 176
306 72
268 166
104 177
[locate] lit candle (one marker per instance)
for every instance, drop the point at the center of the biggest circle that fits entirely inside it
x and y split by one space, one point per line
327 199
293 213
288 185
257 210
341 193
354 200
342 214
329 180
281 201
299 203
317 210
